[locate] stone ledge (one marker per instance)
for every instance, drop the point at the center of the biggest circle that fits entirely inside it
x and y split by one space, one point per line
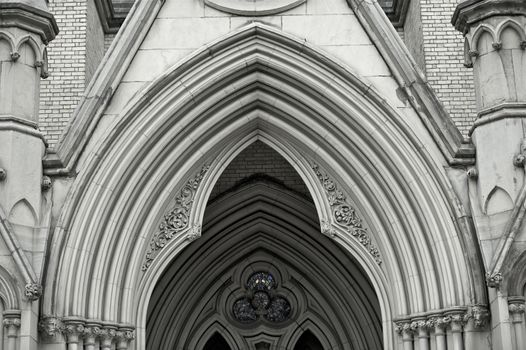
473 11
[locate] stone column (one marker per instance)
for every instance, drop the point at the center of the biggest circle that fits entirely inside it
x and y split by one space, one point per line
441 324
457 327
12 324
406 330
516 309
495 43
422 327
91 333
74 331
26 27
107 336
124 336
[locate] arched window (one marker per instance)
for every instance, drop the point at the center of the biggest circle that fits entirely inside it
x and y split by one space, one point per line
216 342
308 341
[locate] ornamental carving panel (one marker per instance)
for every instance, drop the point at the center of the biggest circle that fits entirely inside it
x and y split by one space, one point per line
344 215
177 219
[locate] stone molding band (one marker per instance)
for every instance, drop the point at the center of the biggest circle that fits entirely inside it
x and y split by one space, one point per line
75 329
454 318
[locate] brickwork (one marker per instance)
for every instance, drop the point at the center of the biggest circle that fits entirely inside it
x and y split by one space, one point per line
260 159
68 55
443 49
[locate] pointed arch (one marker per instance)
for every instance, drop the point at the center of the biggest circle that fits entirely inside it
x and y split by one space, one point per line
23 212
259 84
482 29
35 48
513 25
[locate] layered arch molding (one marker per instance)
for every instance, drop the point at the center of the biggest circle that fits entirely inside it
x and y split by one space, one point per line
260 84
263 228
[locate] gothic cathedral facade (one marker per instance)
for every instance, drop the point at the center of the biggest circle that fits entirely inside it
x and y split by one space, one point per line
262 174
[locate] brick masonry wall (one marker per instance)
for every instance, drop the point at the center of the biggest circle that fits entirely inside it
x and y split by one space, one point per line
60 93
259 158
73 57
443 49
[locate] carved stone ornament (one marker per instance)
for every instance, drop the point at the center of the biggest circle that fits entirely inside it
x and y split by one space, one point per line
33 291
327 229
46 183
50 326
345 215
177 219
3 174
494 280
480 315
11 322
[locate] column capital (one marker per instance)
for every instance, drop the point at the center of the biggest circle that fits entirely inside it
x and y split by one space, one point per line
516 308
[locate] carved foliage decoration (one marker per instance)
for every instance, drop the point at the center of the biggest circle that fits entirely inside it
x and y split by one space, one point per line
177 219
345 215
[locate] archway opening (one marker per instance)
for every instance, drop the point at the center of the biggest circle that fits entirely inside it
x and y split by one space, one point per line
262 273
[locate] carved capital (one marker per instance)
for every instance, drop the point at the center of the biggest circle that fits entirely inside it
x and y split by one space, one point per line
494 281
11 322
73 330
404 328
473 53
33 291
91 333
516 308
480 315
46 183
327 229
50 326
194 233
15 56
519 160
497 45
473 173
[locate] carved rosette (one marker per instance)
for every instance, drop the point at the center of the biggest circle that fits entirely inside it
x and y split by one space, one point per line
177 219
345 215
33 291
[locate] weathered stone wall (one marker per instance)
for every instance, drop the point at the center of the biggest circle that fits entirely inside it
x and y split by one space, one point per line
443 50
95 41
413 37
108 39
